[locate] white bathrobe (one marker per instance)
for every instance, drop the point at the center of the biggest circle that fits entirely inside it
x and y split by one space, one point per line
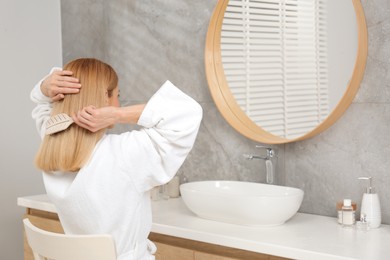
110 194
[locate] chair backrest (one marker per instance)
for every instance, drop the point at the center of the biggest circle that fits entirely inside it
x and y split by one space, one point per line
48 245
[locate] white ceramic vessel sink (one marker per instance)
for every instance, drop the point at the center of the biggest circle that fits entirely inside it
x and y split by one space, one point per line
243 203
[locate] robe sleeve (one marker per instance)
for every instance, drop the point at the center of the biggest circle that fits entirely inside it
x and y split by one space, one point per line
42 111
170 121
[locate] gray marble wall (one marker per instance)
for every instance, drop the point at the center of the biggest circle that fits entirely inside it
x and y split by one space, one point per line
326 167
149 41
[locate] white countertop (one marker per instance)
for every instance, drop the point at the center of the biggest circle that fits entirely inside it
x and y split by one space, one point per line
305 236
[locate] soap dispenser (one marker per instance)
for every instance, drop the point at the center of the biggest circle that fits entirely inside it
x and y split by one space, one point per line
371 207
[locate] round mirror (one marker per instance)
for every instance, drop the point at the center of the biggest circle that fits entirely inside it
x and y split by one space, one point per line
281 71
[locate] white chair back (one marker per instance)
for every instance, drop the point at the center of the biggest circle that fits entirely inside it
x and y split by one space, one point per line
53 246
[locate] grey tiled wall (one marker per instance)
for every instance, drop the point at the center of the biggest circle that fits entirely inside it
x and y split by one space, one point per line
327 166
149 41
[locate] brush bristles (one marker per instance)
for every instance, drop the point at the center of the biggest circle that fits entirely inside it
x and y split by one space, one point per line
58 123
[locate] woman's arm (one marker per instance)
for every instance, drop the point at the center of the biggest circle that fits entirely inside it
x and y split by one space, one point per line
51 88
152 155
94 119
170 121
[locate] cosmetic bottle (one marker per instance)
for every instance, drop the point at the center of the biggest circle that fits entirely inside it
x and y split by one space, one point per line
371 207
165 191
362 224
348 214
155 193
159 193
173 187
339 206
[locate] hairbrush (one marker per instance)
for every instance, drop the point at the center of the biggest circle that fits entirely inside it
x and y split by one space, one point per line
58 123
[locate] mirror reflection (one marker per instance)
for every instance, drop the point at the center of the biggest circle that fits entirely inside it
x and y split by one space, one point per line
288 62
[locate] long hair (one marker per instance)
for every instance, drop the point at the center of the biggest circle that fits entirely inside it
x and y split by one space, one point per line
69 150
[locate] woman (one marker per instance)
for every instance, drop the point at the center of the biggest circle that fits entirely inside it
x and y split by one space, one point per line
100 182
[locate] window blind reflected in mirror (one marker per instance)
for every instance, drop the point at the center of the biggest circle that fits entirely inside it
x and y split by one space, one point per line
274 54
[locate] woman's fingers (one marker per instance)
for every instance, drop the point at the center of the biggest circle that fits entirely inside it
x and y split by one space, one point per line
92 118
58 97
65 89
80 123
64 76
63 72
85 118
90 110
67 83
59 83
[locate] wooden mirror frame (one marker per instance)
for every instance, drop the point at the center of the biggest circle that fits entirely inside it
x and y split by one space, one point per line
227 104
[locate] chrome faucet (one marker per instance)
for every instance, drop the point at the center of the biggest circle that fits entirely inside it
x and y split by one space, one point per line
270 153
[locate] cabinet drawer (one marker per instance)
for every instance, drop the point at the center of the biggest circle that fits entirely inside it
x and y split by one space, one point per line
205 256
168 252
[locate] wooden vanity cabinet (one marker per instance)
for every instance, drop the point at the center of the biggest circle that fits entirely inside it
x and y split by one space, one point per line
168 247
173 248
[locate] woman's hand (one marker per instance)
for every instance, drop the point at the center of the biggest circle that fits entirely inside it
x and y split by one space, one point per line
59 83
95 119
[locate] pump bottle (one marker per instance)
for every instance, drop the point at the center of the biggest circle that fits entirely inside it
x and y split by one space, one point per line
371 207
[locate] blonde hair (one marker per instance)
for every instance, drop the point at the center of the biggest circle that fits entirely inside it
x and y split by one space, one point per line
69 150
